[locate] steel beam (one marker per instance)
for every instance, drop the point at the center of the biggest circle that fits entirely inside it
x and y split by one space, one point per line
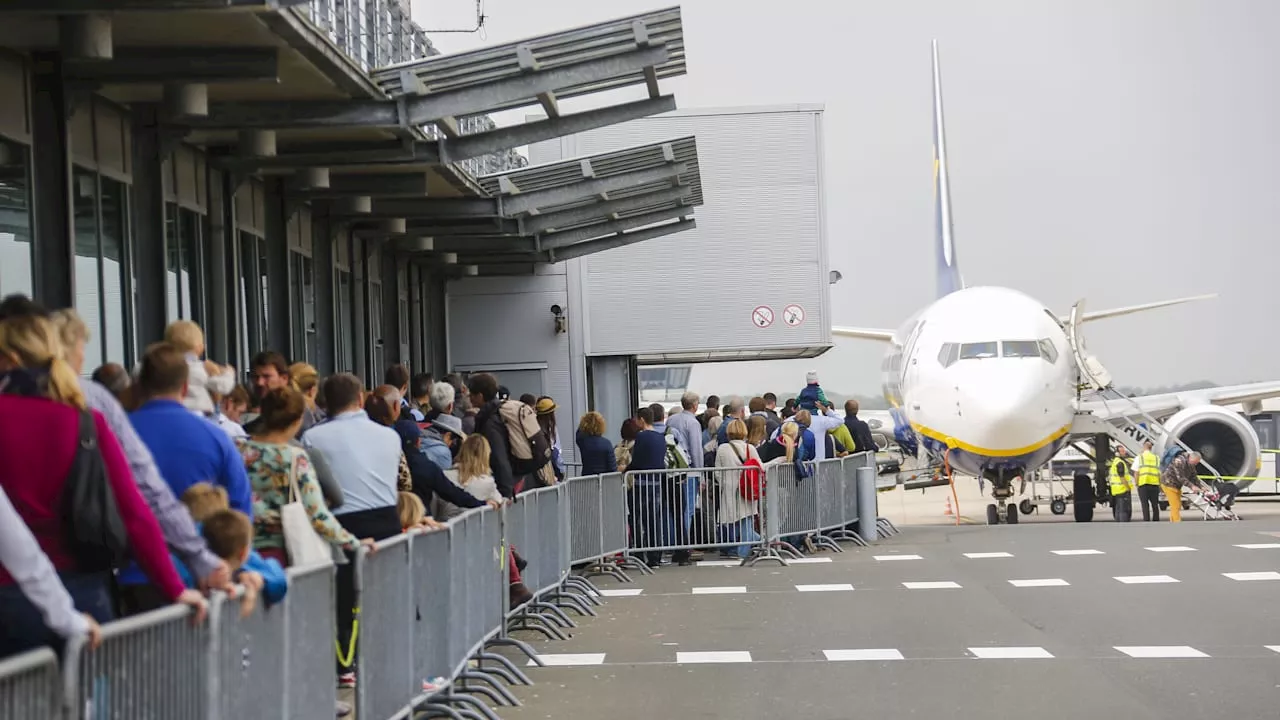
528 133
432 209
621 240
67 7
179 64
469 246
377 185
334 154
495 227
587 213
567 238
551 197
84 37
418 110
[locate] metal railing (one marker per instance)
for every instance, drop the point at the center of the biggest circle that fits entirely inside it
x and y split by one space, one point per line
431 606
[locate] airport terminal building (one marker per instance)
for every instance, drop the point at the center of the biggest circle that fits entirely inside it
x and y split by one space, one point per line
312 177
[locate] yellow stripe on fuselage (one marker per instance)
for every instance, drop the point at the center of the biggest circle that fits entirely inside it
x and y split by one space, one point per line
988 452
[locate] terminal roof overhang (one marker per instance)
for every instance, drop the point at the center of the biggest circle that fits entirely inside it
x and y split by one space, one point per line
732 355
555 211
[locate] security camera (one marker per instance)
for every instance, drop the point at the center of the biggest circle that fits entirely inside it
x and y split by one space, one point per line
561 324
557 310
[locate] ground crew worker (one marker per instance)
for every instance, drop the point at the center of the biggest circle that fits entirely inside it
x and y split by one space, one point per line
1181 471
1146 468
1121 487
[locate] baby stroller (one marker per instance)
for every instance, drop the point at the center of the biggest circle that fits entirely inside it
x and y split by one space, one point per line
1206 497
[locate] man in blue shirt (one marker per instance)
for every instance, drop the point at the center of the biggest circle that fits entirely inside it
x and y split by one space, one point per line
187 448
648 520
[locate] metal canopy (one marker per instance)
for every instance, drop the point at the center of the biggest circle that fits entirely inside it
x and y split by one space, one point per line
161 64
108 6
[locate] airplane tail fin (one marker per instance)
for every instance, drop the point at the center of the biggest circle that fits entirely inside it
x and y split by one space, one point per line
948 269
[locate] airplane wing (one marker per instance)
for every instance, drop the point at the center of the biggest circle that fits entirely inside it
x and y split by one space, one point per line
864 333
1165 404
1116 312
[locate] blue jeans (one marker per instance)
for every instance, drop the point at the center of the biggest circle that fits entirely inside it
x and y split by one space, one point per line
742 531
22 626
691 484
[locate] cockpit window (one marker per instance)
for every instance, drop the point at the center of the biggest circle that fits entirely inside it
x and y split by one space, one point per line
973 351
1020 348
949 353
1048 351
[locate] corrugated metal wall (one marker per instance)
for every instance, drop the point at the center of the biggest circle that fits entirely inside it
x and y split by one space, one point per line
760 239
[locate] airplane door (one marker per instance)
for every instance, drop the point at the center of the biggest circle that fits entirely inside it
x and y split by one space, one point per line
910 363
1090 368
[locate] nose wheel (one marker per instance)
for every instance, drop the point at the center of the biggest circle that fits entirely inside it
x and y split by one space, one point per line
1001 509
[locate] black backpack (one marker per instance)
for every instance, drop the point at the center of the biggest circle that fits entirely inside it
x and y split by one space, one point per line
96 535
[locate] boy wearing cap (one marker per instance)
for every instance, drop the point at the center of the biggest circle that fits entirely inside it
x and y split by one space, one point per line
811 397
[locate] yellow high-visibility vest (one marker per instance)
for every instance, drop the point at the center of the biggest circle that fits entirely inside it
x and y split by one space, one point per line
1148 468
1119 477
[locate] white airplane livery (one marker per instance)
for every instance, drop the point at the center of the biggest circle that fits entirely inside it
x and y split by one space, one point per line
985 379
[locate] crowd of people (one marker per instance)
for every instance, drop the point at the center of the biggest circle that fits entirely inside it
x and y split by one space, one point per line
125 490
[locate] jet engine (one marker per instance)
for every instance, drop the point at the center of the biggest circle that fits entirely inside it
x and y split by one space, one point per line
1224 439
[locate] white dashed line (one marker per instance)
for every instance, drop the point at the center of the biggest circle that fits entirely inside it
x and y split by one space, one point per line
724 590
945 585
1162 651
1274 648
1078 552
622 592
1245 576
1172 548
719 563
1010 653
808 561
838 587
1259 546
886 558
983 556
1146 579
1040 582
570 660
697 658
871 654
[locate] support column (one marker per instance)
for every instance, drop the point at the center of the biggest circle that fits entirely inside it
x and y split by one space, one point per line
217 330
148 226
391 339
322 252
54 216
280 324
361 346
417 357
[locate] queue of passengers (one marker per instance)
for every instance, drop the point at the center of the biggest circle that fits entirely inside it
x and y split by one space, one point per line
205 466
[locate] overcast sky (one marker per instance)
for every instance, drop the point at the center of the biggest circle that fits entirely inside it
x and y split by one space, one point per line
1119 150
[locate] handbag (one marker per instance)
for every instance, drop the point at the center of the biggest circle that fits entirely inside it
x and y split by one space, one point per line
95 532
301 541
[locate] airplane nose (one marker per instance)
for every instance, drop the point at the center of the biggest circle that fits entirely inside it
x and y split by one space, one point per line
1004 415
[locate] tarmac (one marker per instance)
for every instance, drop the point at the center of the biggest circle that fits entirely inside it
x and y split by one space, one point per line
1049 618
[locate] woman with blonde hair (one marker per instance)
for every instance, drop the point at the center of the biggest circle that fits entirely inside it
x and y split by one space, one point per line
736 514
306 380
42 406
757 431
473 476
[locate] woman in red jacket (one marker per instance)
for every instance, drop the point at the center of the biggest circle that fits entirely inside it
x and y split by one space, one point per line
40 406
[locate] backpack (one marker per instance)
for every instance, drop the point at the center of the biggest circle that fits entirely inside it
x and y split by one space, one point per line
751 478
95 532
675 456
1170 454
530 447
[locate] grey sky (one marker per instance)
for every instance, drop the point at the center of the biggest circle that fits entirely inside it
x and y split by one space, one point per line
1119 150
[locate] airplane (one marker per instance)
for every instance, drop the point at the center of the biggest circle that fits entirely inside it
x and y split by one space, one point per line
985 379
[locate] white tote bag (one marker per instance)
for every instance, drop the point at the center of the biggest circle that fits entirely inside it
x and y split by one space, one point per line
301 541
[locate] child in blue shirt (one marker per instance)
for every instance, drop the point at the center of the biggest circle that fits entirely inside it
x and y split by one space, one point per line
229 534
811 397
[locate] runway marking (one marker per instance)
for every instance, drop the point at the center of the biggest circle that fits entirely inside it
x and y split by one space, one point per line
719 563
1146 579
1040 582
808 561
1010 653
1259 546
984 555
1246 576
622 592
1274 648
837 587
570 660
723 590
721 656
884 558
1161 651
1078 552
871 654
1172 548
945 585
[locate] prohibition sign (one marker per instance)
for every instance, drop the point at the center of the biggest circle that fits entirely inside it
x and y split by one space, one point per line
793 315
762 317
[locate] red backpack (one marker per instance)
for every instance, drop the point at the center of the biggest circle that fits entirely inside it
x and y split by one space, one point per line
751 479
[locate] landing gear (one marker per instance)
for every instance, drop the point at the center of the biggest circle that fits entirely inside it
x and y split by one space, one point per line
1012 515
993 514
1002 491
1082 495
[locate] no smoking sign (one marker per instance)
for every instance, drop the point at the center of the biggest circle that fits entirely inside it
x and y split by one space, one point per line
762 316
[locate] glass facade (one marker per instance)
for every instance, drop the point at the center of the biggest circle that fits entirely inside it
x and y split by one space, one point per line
102 282
302 293
184 264
15 220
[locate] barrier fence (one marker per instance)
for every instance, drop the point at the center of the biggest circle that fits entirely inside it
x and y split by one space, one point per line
430 607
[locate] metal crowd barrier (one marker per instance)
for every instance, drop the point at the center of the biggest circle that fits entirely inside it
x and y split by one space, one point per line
430 606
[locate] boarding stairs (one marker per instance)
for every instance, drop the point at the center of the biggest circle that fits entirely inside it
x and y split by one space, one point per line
1126 422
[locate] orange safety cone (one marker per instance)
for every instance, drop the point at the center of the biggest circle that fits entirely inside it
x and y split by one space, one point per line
948 511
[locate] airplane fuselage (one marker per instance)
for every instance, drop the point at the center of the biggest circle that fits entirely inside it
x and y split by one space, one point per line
984 377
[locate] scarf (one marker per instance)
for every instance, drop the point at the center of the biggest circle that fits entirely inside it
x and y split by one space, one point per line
27 382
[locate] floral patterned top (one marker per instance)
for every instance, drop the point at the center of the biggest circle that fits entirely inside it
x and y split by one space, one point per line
269 466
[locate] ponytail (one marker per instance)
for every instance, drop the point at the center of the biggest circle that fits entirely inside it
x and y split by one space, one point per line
33 342
64 384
